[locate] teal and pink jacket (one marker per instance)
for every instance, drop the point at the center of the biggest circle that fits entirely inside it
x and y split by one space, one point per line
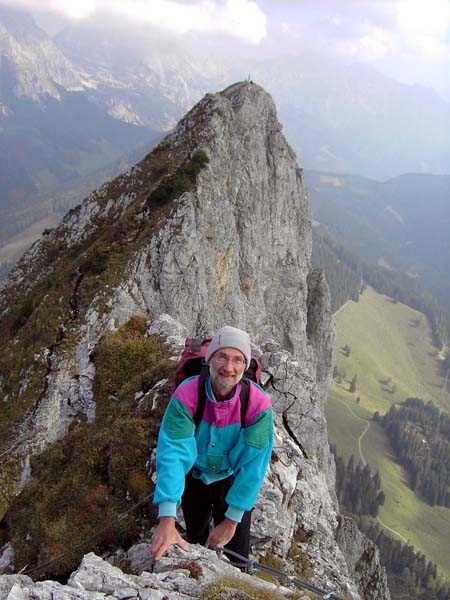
219 448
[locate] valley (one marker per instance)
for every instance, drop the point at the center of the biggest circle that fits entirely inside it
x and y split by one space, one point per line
393 356
17 245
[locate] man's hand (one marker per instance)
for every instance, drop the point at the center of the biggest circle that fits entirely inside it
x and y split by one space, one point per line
222 534
165 535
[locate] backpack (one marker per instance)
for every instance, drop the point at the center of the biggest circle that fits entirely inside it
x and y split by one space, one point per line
192 362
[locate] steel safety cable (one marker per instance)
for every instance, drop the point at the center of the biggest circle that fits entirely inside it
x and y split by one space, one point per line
96 533
251 564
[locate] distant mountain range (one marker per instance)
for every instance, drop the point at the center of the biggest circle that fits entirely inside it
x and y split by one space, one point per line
51 133
342 118
89 100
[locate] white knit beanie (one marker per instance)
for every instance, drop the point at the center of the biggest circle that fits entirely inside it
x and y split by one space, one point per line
230 337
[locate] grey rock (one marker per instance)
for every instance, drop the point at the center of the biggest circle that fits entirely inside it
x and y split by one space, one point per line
178 576
94 574
49 590
139 558
17 593
6 559
39 68
126 594
362 557
7 582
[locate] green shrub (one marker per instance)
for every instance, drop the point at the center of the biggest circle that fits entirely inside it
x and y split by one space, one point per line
84 481
183 180
21 316
94 264
124 360
242 591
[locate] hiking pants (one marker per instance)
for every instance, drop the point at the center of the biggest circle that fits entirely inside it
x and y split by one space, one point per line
200 502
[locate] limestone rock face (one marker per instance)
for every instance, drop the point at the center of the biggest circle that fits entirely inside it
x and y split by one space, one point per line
241 237
362 556
234 249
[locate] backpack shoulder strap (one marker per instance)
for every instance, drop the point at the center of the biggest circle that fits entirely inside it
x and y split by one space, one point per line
201 401
245 393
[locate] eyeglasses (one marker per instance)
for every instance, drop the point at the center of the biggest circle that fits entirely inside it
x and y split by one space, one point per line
223 359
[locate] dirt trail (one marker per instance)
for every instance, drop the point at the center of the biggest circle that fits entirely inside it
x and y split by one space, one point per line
364 462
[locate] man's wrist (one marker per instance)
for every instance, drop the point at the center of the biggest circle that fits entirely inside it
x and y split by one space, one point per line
167 509
167 524
231 522
234 514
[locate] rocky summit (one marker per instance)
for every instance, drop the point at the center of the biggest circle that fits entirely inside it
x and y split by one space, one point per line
213 227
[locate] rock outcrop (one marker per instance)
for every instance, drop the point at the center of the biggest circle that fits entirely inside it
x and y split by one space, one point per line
174 578
213 227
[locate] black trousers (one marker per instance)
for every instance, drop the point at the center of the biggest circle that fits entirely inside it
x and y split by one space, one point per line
201 503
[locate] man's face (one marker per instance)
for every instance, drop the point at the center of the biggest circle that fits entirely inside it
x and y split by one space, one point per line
226 368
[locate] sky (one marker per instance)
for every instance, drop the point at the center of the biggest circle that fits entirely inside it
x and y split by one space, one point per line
408 40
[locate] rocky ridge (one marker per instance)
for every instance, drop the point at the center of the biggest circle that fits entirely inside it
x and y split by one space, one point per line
213 227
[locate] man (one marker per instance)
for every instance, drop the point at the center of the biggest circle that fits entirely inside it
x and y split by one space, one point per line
215 470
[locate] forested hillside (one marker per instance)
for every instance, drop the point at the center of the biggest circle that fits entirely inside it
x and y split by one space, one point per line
385 349
343 270
410 574
347 275
357 488
400 224
420 434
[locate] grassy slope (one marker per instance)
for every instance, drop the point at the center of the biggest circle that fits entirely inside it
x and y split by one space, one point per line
17 244
388 342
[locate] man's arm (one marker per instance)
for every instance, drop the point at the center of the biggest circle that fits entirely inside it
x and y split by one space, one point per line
250 459
175 454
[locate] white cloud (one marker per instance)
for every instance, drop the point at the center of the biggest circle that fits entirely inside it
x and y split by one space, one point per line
432 48
425 25
373 47
429 19
73 9
238 18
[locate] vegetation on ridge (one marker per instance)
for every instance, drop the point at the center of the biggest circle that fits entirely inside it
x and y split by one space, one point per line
65 282
232 587
99 470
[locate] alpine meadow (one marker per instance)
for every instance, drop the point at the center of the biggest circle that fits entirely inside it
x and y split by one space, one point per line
394 358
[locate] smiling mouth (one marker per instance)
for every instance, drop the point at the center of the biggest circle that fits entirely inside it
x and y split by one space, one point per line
227 379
